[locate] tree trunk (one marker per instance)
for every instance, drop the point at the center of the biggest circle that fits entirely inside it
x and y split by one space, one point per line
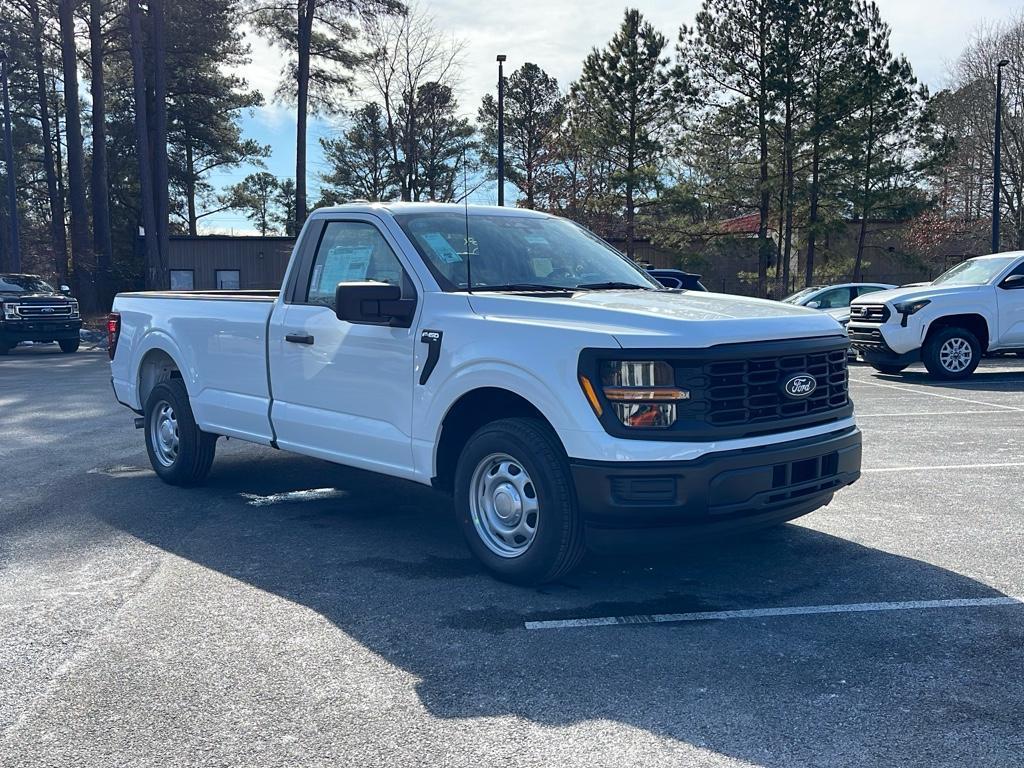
788 188
58 236
161 182
81 257
154 272
100 200
812 217
307 10
763 248
866 205
190 188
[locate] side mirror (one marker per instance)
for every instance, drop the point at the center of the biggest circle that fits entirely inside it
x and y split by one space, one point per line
1013 282
65 289
373 304
812 304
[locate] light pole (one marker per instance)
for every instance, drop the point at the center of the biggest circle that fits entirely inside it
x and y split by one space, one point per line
12 192
996 181
501 129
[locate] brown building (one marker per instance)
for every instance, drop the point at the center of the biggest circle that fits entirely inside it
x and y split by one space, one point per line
230 262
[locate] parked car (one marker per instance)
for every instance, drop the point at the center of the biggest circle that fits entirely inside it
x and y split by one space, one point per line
835 299
974 309
677 278
558 392
31 310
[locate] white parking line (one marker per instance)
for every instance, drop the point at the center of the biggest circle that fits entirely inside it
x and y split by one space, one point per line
946 467
759 613
925 413
935 394
313 494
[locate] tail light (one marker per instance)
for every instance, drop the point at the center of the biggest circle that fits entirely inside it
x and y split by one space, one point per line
113 331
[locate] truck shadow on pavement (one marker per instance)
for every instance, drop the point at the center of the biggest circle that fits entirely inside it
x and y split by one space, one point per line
384 562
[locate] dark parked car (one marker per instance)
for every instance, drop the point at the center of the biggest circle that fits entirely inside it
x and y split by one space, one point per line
676 278
31 310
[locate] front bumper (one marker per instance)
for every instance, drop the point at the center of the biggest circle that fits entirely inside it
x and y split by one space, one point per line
12 333
872 342
717 493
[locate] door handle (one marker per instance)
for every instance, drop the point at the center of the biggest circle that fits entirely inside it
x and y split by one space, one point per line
299 338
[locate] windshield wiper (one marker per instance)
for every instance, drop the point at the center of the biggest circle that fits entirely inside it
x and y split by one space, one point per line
612 285
477 288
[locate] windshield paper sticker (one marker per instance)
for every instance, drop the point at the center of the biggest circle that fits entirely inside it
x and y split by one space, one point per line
442 248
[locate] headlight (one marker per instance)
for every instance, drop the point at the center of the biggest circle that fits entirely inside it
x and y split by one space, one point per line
10 311
642 392
74 307
907 308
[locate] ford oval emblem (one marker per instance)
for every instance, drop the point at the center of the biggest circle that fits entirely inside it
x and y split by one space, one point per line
801 385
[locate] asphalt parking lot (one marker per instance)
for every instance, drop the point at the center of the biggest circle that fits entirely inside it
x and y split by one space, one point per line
244 623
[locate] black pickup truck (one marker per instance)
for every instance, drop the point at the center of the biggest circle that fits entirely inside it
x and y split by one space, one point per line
31 310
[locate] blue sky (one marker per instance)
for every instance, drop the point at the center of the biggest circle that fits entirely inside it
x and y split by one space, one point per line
557 36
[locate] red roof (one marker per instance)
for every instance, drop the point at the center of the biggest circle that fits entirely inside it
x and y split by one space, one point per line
747 224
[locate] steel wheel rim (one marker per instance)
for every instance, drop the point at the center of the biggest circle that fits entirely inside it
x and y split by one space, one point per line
956 354
163 434
503 504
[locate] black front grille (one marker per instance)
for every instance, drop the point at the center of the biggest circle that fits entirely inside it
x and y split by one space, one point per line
751 392
44 311
869 313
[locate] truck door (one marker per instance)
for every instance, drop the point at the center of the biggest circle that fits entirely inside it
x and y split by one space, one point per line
1010 301
343 391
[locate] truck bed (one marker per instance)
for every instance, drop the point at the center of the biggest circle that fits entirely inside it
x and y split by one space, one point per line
219 340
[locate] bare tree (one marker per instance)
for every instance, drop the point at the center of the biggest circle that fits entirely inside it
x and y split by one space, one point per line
406 53
98 179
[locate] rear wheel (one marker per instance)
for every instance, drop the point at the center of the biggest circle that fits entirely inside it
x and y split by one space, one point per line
180 452
889 370
952 353
515 502
68 346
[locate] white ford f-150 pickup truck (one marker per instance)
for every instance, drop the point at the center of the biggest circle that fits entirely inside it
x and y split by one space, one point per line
513 359
974 309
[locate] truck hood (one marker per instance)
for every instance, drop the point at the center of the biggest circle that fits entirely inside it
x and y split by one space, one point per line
661 318
917 292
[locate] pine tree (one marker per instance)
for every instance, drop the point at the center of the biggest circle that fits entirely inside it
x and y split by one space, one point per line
360 159
534 112
627 89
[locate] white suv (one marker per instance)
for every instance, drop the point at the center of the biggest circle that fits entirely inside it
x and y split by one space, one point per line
975 308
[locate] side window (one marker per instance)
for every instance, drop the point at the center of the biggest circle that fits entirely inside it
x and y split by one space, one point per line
864 290
834 299
351 252
1018 270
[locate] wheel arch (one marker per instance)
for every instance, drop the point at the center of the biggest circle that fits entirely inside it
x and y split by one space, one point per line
472 410
970 321
156 366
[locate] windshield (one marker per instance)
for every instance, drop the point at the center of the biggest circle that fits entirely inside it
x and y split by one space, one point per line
974 271
795 298
24 284
517 252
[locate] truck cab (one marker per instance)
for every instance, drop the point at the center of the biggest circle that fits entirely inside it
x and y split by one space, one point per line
559 394
32 310
970 311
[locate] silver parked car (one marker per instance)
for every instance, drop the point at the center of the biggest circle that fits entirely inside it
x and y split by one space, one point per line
834 299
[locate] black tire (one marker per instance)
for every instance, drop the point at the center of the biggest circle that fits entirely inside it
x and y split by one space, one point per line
933 353
193 455
557 544
889 370
67 346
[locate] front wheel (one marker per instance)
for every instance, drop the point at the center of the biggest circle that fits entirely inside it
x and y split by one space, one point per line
515 502
952 353
180 452
67 346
